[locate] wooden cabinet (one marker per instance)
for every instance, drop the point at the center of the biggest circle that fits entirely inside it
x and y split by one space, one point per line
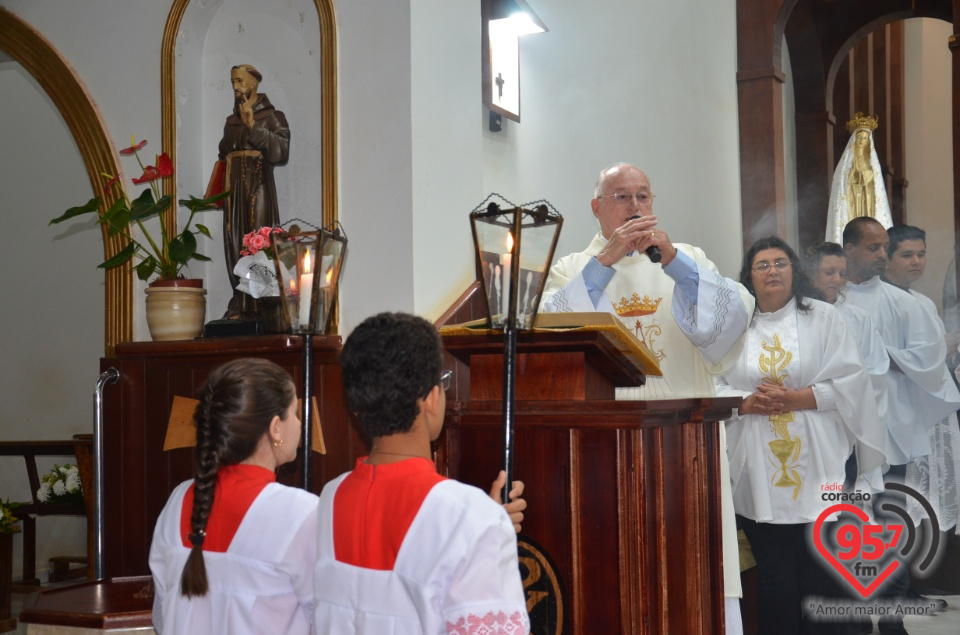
139 475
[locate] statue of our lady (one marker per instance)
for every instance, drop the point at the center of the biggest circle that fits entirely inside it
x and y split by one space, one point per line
858 181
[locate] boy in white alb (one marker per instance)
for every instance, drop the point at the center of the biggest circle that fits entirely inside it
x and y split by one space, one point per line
402 549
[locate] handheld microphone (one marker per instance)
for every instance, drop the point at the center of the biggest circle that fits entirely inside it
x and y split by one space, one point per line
653 252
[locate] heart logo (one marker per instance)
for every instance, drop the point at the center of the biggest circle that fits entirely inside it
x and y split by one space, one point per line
865 591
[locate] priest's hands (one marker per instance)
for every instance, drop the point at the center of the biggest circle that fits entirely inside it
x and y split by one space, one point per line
516 505
636 234
772 399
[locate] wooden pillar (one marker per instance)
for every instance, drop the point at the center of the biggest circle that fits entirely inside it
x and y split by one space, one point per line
760 105
815 161
897 152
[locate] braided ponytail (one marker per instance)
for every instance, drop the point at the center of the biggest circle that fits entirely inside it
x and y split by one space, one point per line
193 581
236 406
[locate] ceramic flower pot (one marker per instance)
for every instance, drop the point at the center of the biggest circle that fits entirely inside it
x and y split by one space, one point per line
176 311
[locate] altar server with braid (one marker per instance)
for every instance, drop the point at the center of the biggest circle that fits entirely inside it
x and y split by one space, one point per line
233 550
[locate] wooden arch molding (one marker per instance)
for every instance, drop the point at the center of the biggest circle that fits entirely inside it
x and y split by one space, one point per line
328 107
45 64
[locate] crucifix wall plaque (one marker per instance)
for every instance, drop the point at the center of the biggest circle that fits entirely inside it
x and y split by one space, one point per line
503 22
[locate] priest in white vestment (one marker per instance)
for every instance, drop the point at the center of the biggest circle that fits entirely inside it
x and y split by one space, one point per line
691 317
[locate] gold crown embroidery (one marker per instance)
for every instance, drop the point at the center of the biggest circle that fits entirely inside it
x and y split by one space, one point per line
635 307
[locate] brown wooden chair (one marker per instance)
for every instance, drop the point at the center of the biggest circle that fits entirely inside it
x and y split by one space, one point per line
81 447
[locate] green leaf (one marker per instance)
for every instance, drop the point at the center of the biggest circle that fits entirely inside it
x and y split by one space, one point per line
117 217
195 204
124 255
92 206
183 247
144 207
202 258
203 230
119 222
118 206
146 268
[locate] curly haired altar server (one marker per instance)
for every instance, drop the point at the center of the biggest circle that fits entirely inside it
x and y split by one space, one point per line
403 550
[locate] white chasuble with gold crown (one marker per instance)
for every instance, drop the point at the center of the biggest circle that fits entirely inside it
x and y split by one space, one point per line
781 465
691 340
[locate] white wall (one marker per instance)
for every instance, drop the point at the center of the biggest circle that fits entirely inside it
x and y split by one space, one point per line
52 335
929 149
647 82
376 157
447 148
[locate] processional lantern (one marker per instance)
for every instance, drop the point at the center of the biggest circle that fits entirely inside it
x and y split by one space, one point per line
514 248
308 270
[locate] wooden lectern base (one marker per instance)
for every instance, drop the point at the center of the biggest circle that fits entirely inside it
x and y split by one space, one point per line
118 605
622 531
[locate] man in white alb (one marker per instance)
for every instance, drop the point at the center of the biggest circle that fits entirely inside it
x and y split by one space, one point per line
691 317
920 392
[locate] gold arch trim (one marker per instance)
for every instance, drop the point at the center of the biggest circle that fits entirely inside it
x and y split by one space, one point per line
23 43
328 107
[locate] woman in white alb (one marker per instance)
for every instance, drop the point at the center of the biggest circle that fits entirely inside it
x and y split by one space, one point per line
807 399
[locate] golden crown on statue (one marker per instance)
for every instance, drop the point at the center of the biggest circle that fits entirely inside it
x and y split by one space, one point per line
870 122
635 306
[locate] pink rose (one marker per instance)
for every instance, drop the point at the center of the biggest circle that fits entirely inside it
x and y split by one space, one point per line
257 242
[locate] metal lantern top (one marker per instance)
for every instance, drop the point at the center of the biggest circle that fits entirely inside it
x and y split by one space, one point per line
308 267
514 248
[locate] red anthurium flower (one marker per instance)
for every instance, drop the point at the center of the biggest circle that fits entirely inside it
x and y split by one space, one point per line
134 146
149 174
110 184
164 165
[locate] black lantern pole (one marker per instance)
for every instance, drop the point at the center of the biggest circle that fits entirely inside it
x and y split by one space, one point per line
307 432
512 287
510 355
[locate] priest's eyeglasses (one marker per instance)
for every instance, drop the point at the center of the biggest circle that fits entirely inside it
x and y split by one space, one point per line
763 267
621 198
445 377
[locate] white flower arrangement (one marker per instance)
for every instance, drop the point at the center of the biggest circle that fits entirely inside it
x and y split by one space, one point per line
61 486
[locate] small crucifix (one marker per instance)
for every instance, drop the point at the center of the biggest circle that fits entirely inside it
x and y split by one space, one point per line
500 81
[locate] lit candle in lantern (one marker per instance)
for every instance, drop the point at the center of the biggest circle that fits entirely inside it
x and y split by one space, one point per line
306 290
506 260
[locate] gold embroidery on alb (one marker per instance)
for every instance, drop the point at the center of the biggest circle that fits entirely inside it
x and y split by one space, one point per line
774 370
785 448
